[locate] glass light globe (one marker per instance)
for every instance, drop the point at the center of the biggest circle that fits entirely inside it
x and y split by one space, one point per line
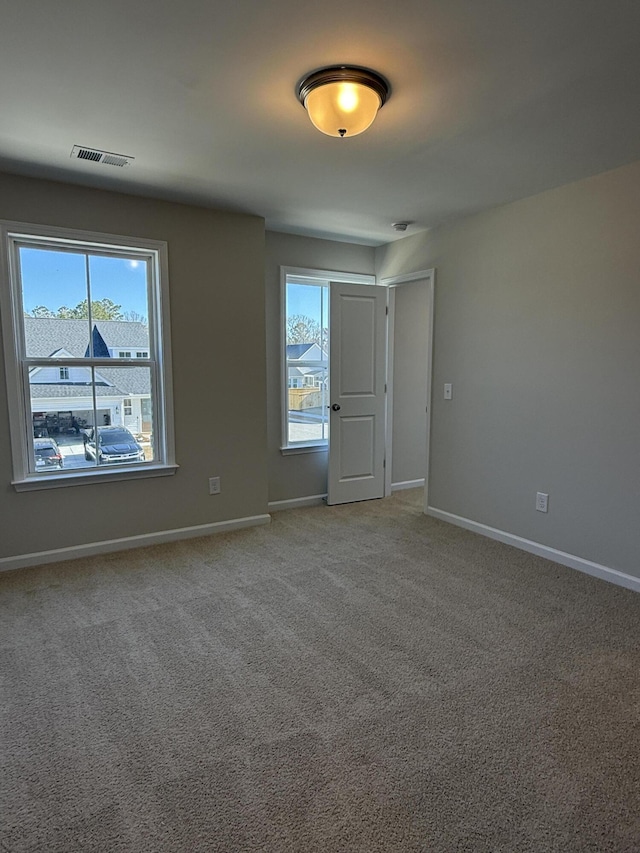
342 108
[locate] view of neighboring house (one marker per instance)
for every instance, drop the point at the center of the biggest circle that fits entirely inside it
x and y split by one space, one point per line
306 366
62 398
307 392
307 372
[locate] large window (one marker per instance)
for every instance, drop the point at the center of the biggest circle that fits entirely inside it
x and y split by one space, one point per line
88 368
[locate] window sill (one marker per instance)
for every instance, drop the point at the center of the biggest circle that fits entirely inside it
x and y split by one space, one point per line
57 481
293 450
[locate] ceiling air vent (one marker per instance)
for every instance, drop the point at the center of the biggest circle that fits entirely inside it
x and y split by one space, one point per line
94 155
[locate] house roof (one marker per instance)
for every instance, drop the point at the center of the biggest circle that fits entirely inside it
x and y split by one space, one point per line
47 335
306 371
60 389
301 352
131 380
100 347
123 382
298 350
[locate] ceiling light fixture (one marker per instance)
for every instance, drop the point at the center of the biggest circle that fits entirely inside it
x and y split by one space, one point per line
343 100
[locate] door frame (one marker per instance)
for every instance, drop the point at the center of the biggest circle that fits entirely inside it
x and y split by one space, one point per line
391 284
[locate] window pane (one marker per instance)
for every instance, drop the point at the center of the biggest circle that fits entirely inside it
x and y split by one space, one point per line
127 435
60 411
54 297
307 322
304 314
64 418
307 404
54 290
119 292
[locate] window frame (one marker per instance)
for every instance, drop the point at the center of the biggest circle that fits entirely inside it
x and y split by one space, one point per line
310 276
17 363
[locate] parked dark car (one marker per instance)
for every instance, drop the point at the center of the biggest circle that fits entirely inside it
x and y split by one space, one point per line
115 445
47 453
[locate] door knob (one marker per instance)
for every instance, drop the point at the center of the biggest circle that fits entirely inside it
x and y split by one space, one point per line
335 407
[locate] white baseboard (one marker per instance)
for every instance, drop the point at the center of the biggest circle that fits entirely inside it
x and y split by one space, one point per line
570 560
144 539
296 503
407 484
317 500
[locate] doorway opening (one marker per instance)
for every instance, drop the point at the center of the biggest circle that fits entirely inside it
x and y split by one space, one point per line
409 368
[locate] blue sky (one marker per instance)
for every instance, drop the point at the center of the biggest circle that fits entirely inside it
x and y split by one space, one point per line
54 279
305 299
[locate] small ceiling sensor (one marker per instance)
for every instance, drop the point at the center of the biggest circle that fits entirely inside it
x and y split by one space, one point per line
400 226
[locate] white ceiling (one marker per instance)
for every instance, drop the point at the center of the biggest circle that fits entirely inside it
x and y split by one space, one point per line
492 100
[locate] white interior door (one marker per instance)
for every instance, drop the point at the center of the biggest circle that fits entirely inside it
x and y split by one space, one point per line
357 392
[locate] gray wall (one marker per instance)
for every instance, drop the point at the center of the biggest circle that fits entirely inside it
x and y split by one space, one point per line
409 382
537 325
299 475
216 267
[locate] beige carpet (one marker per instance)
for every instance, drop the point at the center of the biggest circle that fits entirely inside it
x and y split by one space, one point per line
357 678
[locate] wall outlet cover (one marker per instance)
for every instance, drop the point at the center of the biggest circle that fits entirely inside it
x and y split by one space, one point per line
542 501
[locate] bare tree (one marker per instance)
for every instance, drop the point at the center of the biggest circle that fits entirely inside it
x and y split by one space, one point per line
303 330
133 317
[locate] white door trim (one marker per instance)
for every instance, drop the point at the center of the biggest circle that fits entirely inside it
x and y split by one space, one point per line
391 283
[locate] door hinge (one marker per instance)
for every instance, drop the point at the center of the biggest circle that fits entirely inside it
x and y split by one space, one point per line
386 310
384 463
385 387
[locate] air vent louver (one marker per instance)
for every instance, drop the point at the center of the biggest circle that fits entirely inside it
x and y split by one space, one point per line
83 154
114 160
106 158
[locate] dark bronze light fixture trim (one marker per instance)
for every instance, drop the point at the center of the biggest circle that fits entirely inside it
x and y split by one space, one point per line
344 74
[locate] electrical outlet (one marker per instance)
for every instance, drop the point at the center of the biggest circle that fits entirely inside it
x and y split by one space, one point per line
542 502
448 391
214 485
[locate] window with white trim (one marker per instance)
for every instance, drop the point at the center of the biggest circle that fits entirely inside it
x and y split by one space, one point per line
91 310
305 355
306 361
